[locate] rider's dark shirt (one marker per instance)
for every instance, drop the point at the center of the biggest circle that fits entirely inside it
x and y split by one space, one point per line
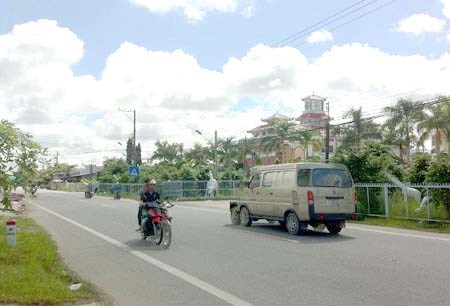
150 196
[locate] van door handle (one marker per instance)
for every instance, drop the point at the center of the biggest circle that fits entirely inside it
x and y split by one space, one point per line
271 193
257 193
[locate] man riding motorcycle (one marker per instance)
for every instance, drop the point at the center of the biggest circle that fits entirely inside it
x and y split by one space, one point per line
147 194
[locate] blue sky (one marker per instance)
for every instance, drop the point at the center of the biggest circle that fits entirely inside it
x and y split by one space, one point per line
104 24
56 82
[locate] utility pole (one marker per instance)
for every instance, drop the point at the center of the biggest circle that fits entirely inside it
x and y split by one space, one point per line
57 158
327 137
134 139
134 157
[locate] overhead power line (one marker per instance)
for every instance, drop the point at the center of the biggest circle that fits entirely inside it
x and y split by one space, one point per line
283 41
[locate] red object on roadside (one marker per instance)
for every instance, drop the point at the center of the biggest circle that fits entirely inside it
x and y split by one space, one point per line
11 222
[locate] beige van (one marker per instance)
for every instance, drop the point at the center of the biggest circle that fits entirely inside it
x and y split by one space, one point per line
296 195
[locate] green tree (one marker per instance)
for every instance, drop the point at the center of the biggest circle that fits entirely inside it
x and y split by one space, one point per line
439 172
138 155
306 138
436 119
114 169
19 154
401 122
370 163
359 130
129 158
169 152
199 154
418 169
281 131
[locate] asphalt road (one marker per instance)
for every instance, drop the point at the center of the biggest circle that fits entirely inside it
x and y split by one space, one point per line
211 262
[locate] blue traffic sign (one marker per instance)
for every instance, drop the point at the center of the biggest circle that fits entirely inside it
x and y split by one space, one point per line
133 171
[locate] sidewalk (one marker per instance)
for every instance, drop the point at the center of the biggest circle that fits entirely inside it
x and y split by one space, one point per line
219 204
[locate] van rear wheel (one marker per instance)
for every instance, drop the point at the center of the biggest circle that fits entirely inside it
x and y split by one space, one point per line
292 224
235 218
334 228
245 216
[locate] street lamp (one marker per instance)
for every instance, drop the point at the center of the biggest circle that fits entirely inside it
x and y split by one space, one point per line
216 171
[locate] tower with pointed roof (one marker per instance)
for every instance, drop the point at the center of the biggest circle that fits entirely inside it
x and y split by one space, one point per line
314 114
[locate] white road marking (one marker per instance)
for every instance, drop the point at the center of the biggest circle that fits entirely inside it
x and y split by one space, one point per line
398 234
219 293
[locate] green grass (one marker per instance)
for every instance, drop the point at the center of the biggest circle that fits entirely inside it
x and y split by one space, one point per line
407 224
31 272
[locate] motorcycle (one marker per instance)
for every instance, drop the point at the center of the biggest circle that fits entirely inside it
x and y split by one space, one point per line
33 191
116 195
156 223
88 194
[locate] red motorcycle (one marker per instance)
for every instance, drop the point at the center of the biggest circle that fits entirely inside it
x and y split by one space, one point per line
156 222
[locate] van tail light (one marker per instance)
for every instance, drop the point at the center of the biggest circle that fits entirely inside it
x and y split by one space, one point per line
294 198
310 198
355 197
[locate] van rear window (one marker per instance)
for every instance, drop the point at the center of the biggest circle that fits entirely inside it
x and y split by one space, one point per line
331 178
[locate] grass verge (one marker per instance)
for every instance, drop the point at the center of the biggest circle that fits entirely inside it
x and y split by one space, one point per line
31 272
407 224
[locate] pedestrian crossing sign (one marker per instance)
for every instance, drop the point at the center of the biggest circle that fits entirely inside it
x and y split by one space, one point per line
133 171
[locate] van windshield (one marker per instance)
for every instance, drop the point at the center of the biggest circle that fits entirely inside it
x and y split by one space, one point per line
331 178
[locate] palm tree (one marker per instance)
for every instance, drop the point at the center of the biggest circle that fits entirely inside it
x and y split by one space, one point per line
436 120
403 117
199 154
306 138
281 132
359 129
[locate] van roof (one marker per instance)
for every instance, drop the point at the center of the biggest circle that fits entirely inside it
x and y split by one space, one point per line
294 166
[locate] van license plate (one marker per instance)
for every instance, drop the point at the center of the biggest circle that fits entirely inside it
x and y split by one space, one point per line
333 202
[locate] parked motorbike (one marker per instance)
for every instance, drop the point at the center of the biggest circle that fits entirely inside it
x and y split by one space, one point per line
156 223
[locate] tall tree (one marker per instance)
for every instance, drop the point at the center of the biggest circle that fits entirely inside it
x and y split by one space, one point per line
359 129
19 154
280 132
169 152
436 119
138 154
306 138
129 158
402 119
199 154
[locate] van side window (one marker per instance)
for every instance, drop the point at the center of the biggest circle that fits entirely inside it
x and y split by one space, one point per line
304 177
288 178
256 180
268 179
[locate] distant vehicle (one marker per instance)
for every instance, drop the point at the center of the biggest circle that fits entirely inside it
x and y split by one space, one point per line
117 195
297 195
34 190
156 223
88 194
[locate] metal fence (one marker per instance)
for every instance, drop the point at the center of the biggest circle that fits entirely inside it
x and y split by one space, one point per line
379 200
392 201
183 190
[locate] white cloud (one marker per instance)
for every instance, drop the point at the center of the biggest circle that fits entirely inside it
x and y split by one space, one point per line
421 23
174 95
319 36
196 10
446 8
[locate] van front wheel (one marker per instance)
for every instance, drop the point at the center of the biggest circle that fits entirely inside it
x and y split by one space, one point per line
292 224
245 217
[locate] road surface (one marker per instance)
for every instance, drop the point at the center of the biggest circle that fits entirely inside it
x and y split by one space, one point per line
211 262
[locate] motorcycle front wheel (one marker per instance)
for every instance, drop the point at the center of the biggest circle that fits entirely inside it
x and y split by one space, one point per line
167 235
